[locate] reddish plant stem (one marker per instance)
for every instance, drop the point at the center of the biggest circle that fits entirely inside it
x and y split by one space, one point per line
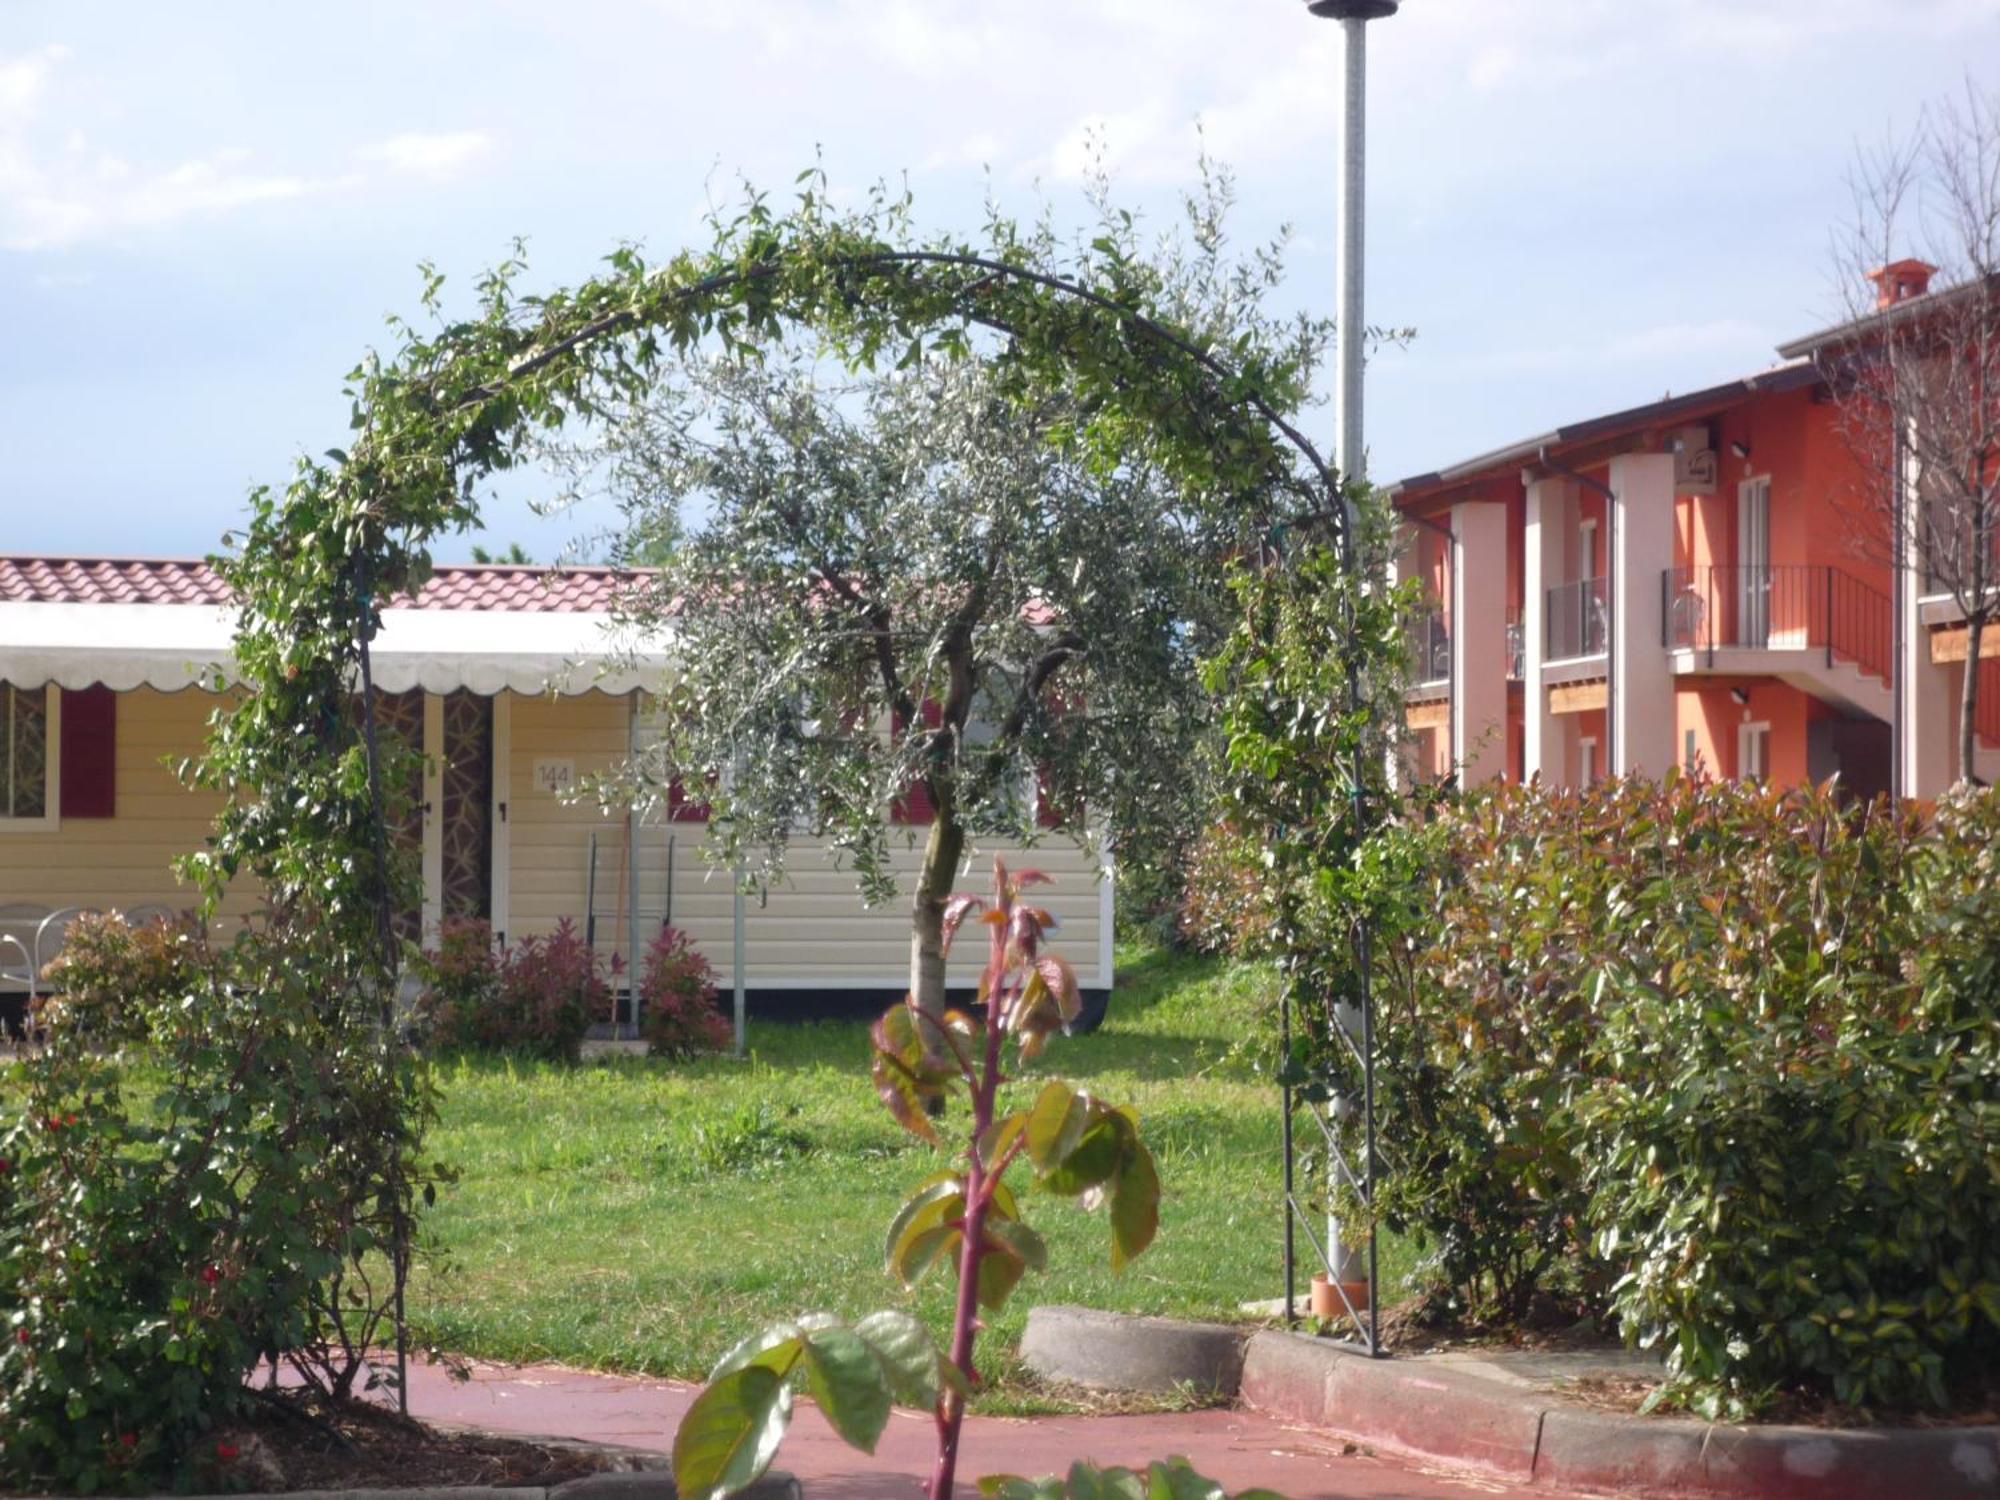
978 1198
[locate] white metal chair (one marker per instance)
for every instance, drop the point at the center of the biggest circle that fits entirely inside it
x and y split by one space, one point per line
49 936
18 923
149 912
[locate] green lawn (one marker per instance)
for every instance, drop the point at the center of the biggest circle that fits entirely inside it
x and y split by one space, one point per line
637 1216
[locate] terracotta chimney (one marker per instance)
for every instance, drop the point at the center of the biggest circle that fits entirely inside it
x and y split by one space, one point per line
1901 280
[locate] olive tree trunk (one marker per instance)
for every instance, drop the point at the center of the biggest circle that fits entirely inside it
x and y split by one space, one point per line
943 852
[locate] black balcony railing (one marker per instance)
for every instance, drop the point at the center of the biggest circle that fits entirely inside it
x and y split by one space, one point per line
1788 607
1430 647
1578 622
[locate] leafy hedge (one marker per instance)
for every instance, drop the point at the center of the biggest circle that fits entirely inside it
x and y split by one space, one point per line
1720 1062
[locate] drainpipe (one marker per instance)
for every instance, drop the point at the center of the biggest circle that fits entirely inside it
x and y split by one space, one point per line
1550 461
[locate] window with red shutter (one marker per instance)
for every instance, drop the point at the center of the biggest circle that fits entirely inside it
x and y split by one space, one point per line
682 809
1046 813
88 752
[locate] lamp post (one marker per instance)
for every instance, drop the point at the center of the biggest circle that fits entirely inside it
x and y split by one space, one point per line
1349 1263
1350 331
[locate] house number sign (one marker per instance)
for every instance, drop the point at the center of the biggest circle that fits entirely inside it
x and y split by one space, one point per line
556 777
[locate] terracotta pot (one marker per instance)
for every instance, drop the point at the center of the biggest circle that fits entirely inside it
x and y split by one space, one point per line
1326 1303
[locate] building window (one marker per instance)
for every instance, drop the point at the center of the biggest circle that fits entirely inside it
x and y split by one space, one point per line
27 756
1586 761
1753 752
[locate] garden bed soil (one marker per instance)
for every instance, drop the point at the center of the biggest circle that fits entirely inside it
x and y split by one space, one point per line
296 1445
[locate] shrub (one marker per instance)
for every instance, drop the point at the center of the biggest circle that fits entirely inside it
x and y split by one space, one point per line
1718 1060
536 999
113 974
677 993
157 1242
1224 908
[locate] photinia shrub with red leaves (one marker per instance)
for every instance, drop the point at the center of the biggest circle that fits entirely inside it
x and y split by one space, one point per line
677 999
536 998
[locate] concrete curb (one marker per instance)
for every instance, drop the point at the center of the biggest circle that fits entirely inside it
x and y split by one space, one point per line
1116 1352
1433 1411
643 1485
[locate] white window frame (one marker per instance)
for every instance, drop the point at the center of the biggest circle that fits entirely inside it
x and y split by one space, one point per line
1586 550
1587 772
1753 743
1754 576
51 818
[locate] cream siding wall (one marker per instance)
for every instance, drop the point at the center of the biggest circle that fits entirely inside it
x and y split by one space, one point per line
125 860
548 839
811 931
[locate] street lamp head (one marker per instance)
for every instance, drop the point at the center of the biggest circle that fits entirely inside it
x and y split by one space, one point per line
1353 10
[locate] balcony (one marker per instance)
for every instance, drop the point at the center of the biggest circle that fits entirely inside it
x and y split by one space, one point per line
1430 650
1578 620
1786 608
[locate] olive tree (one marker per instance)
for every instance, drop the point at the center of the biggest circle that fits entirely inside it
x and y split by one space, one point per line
908 604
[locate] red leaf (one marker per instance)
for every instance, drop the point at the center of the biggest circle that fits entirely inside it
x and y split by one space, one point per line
956 911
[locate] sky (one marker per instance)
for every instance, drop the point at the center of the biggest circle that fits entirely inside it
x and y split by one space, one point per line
207 211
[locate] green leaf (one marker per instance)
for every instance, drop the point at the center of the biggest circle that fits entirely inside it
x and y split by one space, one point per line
1014 1487
1088 1482
999 1274
776 1347
925 1225
908 1355
1002 1133
1056 1123
1176 1479
1021 1242
847 1379
731 1432
1092 1162
1135 1205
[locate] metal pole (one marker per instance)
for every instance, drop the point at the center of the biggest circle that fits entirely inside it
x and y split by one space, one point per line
1350 255
1351 336
633 957
736 970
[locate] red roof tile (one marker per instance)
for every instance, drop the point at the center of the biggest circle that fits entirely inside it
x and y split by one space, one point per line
507 588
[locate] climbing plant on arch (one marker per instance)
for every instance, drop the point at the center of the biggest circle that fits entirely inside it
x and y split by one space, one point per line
471 397
467 398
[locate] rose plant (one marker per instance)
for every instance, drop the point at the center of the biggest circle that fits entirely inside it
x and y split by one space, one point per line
1078 1147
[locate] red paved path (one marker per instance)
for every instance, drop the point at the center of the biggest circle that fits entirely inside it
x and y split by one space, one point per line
1240 1449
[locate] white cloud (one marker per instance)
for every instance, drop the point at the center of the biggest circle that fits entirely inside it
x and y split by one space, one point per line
1492 66
21 81
59 189
436 156
980 149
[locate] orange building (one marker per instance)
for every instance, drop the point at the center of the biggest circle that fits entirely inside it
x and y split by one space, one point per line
1703 581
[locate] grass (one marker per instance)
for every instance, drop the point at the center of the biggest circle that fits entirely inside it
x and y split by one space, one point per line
641 1217
638 1216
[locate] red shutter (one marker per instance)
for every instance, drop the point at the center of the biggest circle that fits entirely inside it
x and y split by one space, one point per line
89 753
680 809
1046 814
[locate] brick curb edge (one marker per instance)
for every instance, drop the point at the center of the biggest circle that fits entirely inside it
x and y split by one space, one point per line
1459 1417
